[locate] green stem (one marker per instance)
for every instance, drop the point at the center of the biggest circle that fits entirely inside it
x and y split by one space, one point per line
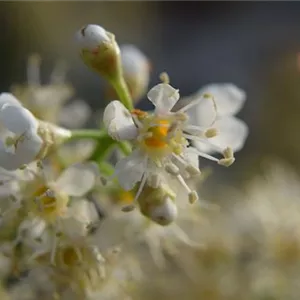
87 134
121 88
125 147
102 148
106 168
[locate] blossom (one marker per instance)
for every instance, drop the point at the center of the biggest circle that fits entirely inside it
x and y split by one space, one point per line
99 50
91 36
21 143
48 198
23 137
232 131
161 141
36 96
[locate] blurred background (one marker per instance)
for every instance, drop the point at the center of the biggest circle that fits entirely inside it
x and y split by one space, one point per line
251 44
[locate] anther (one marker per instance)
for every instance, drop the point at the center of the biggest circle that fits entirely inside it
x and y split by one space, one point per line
193 197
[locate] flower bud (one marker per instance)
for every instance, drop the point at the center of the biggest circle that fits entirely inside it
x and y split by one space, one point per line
158 204
165 213
99 50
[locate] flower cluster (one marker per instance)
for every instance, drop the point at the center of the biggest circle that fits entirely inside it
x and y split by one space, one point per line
69 227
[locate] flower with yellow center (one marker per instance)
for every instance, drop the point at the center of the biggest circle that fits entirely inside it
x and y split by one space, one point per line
161 141
49 201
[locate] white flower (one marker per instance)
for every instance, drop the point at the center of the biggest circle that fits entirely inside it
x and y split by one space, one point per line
45 101
22 143
91 36
161 140
136 70
51 197
23 137
232 131
80 215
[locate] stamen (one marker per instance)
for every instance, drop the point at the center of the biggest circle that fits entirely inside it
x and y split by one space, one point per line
211 132
172 169
193 197
195 130
33 70
154 180
136 121
204 141
202 154
192 170
183 183
131 207
196 102
180 159
164 77
172 130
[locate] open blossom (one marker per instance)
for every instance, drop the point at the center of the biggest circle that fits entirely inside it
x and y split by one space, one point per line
20 143
37 97
162 141
232 131
23 137
49 198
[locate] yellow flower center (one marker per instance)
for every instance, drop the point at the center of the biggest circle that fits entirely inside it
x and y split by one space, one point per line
45 202
49 204
69 257
158 134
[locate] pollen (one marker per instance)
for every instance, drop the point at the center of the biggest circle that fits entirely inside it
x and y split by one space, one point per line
70 257
46 202
158 134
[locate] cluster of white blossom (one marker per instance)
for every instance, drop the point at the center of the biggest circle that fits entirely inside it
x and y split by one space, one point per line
73 223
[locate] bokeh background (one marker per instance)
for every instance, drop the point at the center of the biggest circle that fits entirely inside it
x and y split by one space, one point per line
251 44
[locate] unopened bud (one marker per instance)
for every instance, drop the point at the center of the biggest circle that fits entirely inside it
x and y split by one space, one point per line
99 50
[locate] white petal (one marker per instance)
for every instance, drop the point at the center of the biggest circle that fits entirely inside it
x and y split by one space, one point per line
164 97
78 179
26 152
204 113
17 119
130 169
29 146
91 36
75 114
80 214
165 213
118 121
8 160
232 133
228 97
9 99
